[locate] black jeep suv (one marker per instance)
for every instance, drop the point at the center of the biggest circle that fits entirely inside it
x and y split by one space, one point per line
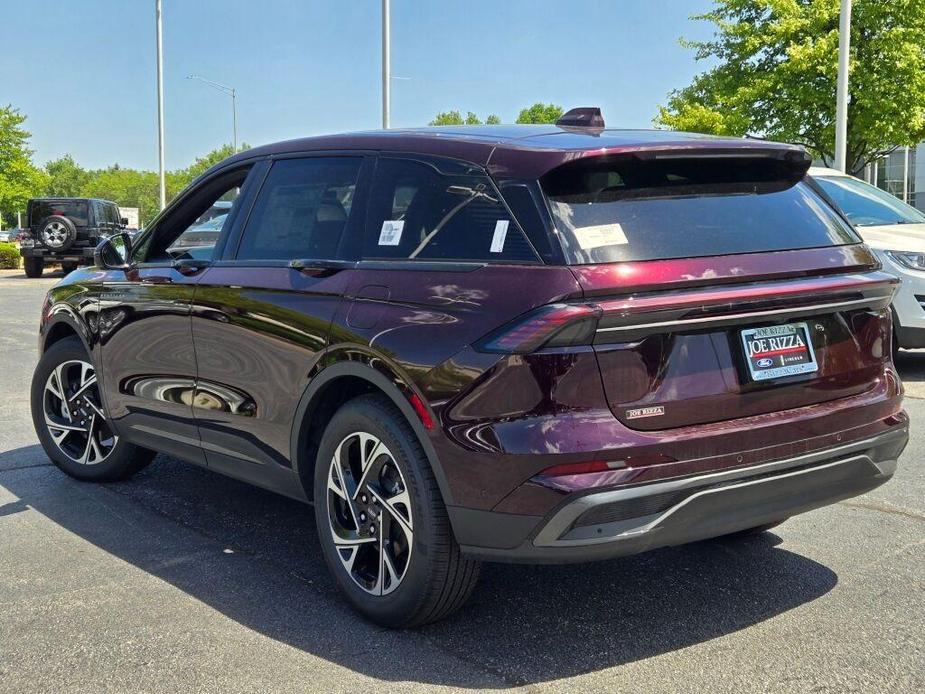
66 231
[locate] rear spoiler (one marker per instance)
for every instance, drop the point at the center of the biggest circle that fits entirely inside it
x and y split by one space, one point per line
527 162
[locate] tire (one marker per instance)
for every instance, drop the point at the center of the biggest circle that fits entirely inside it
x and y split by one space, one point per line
68 268
58 233
33 267
420 581
82 442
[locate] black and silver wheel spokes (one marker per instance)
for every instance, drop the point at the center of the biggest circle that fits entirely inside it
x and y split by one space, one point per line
54 234
369 510
73 413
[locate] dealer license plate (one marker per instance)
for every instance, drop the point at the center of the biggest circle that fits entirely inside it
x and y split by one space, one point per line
778 351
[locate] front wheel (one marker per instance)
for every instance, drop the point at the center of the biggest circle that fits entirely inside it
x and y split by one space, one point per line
381 521
68 416
33 267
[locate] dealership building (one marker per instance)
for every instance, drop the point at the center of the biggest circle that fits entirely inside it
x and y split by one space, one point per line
902 173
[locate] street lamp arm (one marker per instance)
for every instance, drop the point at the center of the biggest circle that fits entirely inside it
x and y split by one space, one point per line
215 85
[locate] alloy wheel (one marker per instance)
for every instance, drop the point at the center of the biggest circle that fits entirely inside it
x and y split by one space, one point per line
74 415
54 234
369 512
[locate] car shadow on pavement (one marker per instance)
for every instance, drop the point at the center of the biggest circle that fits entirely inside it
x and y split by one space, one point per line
254 557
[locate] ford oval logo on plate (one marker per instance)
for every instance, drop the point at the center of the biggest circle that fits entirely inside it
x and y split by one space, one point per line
764 363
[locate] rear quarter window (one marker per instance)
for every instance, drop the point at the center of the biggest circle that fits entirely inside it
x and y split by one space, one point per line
611 209
445 211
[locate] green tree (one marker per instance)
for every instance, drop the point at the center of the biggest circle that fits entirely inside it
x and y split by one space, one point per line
65 177
19 178
776 70
456 118
540 113
206 162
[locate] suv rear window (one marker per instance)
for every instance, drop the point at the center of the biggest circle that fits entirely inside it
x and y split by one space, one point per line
611 209
75 210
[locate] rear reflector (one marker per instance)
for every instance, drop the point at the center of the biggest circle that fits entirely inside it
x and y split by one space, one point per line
581 468
421 410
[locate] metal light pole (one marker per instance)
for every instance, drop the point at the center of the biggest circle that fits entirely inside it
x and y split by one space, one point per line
386 67
160 107
841 105
230 91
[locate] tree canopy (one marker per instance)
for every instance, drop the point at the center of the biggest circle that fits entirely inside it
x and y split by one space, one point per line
775 72
19 178
456 118
540 113
127 187
537 113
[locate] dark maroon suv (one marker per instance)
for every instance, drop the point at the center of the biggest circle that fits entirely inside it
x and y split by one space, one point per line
512 343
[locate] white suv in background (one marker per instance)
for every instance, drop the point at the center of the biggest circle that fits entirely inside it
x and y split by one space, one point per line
895 231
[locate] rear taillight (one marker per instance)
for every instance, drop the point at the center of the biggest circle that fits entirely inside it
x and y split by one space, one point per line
556 325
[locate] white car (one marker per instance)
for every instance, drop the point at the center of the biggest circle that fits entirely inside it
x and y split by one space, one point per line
895 231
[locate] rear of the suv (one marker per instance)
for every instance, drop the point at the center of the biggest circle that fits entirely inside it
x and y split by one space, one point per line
541 344
741 339
66 231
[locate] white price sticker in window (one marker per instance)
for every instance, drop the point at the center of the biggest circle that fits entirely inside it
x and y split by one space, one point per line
600 235
497 239
390 234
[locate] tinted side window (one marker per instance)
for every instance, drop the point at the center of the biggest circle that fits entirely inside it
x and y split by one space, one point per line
302 209
417 211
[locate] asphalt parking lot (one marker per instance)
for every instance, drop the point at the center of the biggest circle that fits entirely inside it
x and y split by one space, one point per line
181 580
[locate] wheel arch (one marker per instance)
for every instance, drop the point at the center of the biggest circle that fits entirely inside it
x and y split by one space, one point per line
336 384
61 326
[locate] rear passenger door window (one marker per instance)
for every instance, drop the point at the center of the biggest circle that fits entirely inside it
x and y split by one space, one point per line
440 210
302 210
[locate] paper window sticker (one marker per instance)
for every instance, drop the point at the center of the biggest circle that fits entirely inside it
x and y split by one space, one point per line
497 239
600 235
390 234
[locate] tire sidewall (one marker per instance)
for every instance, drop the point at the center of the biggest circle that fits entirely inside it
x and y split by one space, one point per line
119 458
33 266
366 414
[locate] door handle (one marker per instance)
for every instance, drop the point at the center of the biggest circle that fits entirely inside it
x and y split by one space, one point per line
312 266
190 266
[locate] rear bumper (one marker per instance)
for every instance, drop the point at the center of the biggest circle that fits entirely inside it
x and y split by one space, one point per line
71 255
635 519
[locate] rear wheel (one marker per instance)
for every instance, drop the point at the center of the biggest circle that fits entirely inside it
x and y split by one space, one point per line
381 521
33 266
68 416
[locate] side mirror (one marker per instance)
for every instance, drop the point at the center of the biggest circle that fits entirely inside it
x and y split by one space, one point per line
124 222
114 252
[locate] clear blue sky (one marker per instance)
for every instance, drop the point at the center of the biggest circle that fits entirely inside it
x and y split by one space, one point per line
83 71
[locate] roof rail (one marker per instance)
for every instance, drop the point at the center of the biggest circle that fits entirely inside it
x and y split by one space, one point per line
582 117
